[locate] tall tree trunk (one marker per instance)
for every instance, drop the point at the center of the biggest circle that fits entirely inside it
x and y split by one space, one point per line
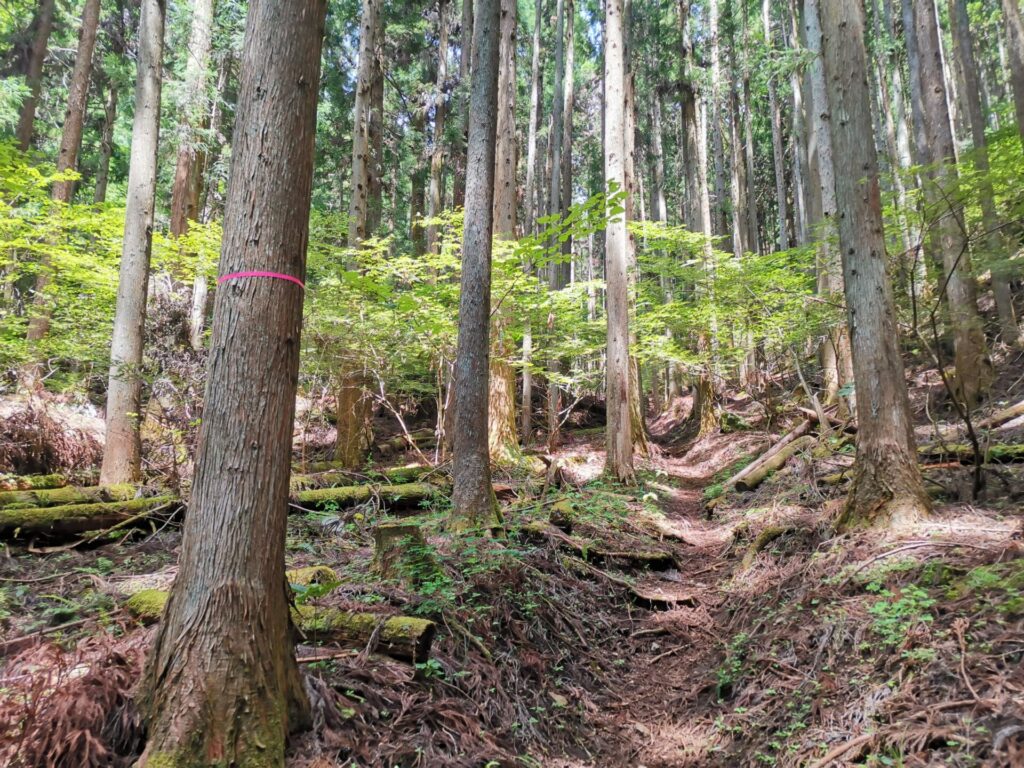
557 271
619 431
106 144
194 110
122 452
34 76
799 134
502 439
473 502
659 207
781 204
466 42
440 112
715 114
1014 26
375 137
973 365
887 487
753 235
964 46
222 686
530 207
78 98
837 365
67 160
359 193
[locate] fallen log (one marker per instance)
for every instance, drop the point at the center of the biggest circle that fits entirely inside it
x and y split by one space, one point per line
1000 417
403 496
31 482
327 474
56 497
999 453
71 519
401 637
794 434
766 466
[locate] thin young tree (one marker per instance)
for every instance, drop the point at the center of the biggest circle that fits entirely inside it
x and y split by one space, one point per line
222 686
122 451
963 41
473 502
619 437
558 272
887 488
67 160
34 76
949 244
436 184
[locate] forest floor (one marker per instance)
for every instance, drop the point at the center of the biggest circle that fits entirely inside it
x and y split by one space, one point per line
609 627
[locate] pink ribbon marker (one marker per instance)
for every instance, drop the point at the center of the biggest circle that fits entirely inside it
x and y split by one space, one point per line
274 275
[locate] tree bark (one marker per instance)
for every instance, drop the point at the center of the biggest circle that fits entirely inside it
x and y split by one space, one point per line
963 42
359 193
221 685
440 112
887 487
106 144
502 437
465 69
781 204
530 208
185 190
473 503
122 453
34 76
78 96
619 432
973 366
1014 26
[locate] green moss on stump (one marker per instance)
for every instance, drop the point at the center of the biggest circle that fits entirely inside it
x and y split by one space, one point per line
313 574
147 605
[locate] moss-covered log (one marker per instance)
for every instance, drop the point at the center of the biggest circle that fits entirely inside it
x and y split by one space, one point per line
774 463
31 482
783 444
403 496
71 519
401 637
312 574
56 497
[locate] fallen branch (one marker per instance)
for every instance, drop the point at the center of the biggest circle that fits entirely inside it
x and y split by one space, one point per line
775 462
794 434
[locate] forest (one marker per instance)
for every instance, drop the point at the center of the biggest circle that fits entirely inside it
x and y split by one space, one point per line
537 383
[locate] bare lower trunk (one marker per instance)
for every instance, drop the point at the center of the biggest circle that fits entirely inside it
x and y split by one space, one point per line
619 432
473 502
887 487
221 685
369 29
122 453
34 76
106 145
502 439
